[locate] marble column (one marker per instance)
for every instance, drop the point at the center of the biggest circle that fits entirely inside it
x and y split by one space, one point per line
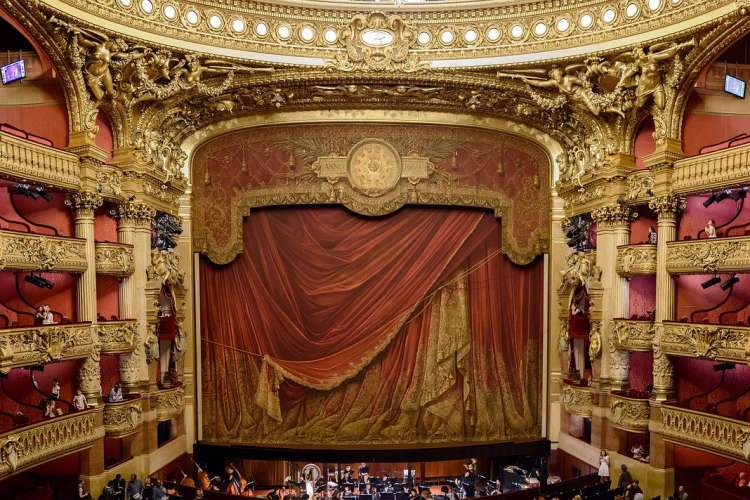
134 228
666 208
83 204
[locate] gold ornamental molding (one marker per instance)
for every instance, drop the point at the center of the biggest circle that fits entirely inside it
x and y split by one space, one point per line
123 418
33 162
706 172
712 433
445 37
115 259
577 400
168 403
720 342
709 255
36 345
117 337
35 252
639 187
28 447
633 335
634 260
630 414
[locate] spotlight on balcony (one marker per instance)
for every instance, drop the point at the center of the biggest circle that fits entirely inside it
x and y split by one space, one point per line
724 366
33 192
730 282
739 194
38 281
711 282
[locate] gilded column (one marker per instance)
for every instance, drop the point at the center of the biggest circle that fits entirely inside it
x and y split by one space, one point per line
613 230
83 205
134 227
666 208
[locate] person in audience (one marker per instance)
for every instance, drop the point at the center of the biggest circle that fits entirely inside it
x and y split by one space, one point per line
55 389
603 466
652 236
39 316
79 401
135 487
48 318
115 394
49 410
271 495
710 229
741 480
118 487
681 493
82 493
625 478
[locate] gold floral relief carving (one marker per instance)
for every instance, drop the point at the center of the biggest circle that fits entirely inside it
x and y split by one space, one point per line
31 252
114 259
117 337
709 255
168 403
123 418
633 260
37 345
630 414
706 341
712 433
581 270
633 335
577 400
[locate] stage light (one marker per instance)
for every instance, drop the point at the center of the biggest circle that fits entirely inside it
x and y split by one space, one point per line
38 281
711 282
730 282
33 192
710 201
724 366
739 194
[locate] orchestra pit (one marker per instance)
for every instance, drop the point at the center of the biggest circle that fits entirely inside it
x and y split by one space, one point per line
374 249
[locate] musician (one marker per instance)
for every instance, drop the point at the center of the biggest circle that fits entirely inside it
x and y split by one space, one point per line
273 494
468 483
363 469
234 480
348 474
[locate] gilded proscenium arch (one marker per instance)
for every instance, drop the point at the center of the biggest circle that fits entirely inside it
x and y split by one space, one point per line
539 242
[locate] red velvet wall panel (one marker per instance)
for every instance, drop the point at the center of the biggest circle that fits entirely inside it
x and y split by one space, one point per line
34 216
61 298
695 216
49 121
104 138
641 370
107 300
644 142
105 226
691 298
639 227
642 295
702 129
110 369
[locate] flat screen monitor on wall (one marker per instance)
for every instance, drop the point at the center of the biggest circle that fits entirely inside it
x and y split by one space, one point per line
13 71
734 86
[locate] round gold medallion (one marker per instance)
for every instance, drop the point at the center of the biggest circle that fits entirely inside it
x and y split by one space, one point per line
373 167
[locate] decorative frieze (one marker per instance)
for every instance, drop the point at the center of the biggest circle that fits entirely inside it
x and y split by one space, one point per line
117 337
168 403
727 343
709 255
633 335
640 184
33 162
581 270
633 260
115 259
724 168
37 345
667 205
27 447
704 431
577 400
123 418
35 252
630 414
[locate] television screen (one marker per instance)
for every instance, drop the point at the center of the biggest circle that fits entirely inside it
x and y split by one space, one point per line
734 86
13 71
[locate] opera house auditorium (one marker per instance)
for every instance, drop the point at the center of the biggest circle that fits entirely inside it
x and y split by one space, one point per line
374 249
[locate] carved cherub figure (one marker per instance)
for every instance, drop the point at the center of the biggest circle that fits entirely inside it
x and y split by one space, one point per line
191 69
100 52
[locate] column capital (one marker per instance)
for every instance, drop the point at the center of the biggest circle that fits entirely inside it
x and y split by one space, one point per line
613 215
667 206
137 212
84 202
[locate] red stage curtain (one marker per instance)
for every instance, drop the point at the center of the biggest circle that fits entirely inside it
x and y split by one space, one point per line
351 313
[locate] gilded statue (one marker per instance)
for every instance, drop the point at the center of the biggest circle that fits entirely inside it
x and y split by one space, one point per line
100 53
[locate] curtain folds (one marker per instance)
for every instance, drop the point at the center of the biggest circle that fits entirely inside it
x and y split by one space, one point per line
370 330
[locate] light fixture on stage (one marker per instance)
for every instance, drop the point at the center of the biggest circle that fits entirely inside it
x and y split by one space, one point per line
38 281
33 192
711 282
717 197
730 282
739 194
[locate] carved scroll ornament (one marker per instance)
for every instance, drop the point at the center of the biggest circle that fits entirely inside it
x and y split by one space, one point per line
577 400
706 341
42 344
632 335
30 252
635 260
630 414
708 256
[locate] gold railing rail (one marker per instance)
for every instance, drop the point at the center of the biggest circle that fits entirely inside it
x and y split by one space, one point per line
726 167
713 433
577 400
124 417
35 345
168 403
709 256
629 413
26 160
30 446
694 340
633 334
117 337
38 252
635 260
115 259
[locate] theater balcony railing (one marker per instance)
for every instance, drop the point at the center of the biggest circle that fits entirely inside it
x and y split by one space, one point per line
117 337
38 252
708 256
36 345
168 403
706 341
633 335
27 447
705 431
114 259
577 399
629 412
723 168
123 418
635 260
29 161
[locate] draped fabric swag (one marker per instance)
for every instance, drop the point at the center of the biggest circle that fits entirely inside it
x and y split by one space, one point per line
336 328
